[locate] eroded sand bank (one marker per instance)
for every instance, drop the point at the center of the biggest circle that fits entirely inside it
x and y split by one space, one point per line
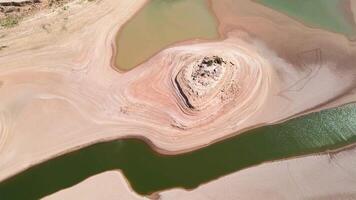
60 92
107 185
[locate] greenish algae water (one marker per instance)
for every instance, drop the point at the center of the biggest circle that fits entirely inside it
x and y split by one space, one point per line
326 14
148 171
161 23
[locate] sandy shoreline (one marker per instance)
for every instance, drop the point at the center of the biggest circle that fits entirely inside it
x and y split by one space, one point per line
326 176
107 185
68 95
272 180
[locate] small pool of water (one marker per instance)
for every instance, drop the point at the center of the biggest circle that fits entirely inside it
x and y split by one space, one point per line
161 23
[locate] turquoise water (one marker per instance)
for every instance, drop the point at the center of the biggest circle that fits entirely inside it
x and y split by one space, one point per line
326 14
148 171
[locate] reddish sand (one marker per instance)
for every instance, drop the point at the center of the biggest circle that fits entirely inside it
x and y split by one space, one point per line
59 90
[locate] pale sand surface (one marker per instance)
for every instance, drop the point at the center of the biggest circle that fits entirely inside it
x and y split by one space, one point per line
108 185
324 177
315 177
59 91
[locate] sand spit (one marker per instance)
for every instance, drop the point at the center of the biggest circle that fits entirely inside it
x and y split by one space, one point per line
107 185
327 176
60 92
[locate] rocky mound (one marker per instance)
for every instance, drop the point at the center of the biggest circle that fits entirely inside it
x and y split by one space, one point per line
217 80
202 82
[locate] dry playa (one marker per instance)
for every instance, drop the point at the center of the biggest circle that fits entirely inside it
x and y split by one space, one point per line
59 90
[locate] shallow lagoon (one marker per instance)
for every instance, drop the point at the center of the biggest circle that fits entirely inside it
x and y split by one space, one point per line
161 23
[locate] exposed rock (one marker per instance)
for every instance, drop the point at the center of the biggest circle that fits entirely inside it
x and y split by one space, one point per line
215 80
201 81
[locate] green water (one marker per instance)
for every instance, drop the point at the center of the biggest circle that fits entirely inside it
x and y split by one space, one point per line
326 14
148 171
161 23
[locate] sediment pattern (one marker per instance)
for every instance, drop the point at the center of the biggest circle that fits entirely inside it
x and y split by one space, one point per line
217 79
63 91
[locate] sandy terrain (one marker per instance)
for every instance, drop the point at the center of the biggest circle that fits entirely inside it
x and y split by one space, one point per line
107 185
13 11
323 177
59 91
315 177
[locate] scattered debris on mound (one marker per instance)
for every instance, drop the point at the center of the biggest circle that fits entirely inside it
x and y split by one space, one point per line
208 70
204 81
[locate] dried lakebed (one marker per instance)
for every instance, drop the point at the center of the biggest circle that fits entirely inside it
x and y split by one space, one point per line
317 132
